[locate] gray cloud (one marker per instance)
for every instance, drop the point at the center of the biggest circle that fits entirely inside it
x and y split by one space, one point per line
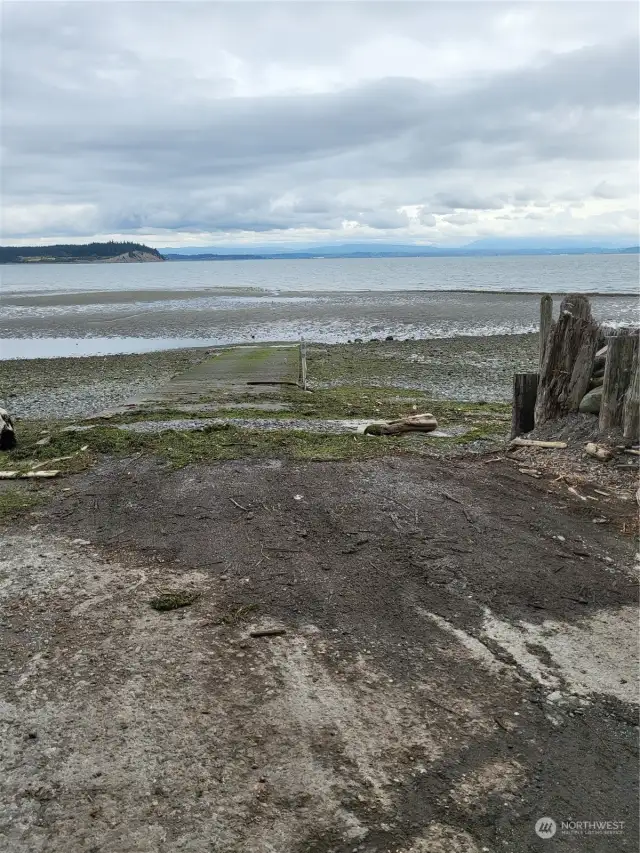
180 117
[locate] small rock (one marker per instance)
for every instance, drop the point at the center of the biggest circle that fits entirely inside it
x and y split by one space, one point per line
591 402
80 542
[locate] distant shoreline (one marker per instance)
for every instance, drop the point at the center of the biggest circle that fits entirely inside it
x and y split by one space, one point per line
86 253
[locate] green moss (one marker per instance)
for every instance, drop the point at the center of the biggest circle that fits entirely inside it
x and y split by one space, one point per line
225 441
14 500
174 600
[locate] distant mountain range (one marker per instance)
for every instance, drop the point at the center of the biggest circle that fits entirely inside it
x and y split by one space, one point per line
112 252
484 247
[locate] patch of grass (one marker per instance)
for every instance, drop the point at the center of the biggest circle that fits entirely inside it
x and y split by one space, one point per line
225 441
14 501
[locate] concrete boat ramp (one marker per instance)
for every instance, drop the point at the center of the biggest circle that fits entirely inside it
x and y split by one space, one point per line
241 370
236 372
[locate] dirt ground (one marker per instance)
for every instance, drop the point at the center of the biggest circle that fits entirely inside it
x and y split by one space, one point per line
459 659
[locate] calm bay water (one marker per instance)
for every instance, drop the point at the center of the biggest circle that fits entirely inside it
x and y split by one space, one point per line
533 274
52 310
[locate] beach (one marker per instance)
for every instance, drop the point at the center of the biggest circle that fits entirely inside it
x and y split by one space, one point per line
457 368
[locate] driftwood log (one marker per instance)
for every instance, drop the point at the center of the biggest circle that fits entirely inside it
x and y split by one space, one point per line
621 353
530 442
568 360
412 423
598 451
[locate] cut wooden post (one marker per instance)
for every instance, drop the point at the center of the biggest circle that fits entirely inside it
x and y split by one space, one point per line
304 365
617 378
568 360
631 409
525 390
546 318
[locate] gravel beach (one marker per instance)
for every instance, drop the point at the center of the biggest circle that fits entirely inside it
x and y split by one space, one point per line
460 368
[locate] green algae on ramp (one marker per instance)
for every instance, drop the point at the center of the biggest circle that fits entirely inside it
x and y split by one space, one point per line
238 370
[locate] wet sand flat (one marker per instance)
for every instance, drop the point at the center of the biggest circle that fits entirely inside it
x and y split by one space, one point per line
211 317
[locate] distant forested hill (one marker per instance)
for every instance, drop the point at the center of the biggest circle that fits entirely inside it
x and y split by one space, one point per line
110 252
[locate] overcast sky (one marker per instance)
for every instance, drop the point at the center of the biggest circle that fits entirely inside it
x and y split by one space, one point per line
199 123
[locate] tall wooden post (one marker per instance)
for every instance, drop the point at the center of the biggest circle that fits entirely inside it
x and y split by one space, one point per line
621 350
546 315
302 369
525 389
631 408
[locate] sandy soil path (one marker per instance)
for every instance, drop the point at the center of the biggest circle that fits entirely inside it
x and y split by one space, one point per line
458 660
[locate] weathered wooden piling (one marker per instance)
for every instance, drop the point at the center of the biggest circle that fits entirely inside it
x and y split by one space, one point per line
631 408
568 360
621 351
546 319
525 390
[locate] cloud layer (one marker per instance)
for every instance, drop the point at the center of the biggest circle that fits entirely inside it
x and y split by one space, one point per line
193 123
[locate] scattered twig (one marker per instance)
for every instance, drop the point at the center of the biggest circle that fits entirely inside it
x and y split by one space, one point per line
468 515
442 707
235 503
283 550
395 501
37 465
576 493
451 498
